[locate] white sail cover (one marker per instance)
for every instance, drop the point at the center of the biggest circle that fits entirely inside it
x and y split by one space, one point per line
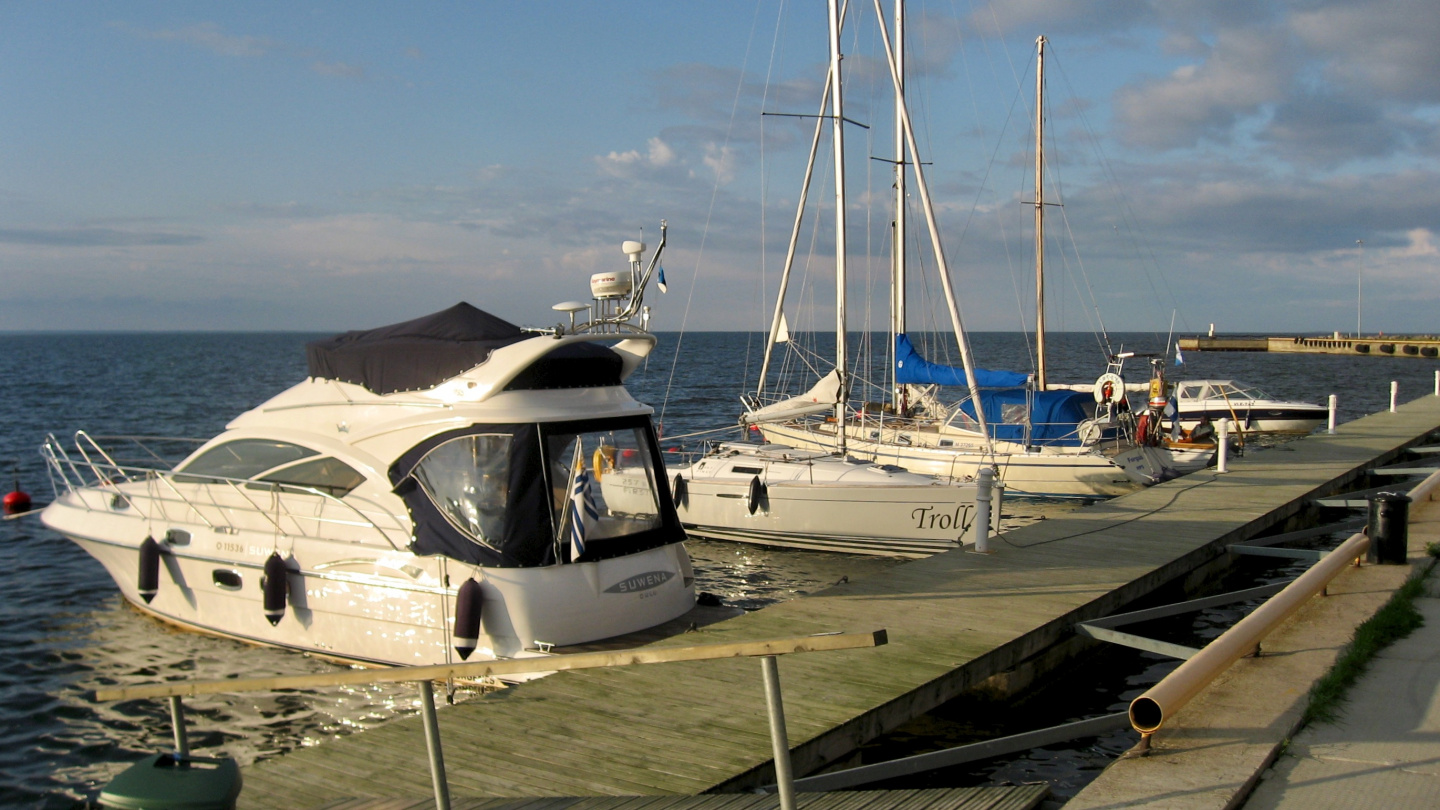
821 397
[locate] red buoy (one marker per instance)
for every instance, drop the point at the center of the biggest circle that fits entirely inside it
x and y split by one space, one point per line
467 619
276 587
16 502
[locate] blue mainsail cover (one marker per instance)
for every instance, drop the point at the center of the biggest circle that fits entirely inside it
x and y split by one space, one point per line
911 368
1055 416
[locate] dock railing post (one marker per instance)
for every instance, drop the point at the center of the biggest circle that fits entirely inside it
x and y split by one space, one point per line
779 739
1437 383
1394 393
985 480
1222 452
432 745
1334 400
177 724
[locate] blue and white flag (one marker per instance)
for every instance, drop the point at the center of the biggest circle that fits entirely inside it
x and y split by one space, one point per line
583 514
1179 358
660 282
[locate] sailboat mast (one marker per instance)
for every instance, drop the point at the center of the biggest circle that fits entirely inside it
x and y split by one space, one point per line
837 123
1040 212
942 266
897 238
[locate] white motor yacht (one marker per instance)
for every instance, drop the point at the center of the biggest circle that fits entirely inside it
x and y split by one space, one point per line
423 496
1248 408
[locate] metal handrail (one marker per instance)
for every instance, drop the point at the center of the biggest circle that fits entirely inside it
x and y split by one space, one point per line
424 676
105 474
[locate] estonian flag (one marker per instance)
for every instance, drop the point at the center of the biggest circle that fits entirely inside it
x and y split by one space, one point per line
660 282
583 514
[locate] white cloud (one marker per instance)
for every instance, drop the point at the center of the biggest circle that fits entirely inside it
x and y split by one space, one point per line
1387 46
207 36
1246 69
338 70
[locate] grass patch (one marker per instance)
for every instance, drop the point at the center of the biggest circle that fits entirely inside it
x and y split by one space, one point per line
1394 621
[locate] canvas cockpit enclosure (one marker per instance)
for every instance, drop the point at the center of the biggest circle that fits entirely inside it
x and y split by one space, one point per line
504 495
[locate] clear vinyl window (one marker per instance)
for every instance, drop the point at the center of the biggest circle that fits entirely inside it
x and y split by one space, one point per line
623 494
468 478
329 475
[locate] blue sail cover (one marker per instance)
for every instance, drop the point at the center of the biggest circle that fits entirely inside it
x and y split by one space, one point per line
1054 416
911 368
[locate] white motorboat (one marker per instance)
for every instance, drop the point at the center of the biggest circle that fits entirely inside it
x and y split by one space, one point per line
1041 443
780 496
424 494
1248 408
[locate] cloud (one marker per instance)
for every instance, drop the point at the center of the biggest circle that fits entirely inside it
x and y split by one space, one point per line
88 237
207 36
658 154
1246 69
1385 46
338 70
1328 130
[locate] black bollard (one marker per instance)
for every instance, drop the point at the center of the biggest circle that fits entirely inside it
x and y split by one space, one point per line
1389 528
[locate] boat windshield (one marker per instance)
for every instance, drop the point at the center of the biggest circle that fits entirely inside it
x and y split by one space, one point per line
605 480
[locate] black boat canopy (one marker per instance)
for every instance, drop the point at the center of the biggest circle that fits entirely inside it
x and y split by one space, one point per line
421 354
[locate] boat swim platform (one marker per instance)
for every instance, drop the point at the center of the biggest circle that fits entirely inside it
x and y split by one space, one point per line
1018 797
955 621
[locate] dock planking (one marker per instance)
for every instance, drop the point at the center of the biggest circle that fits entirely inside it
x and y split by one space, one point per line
954 620
1019 797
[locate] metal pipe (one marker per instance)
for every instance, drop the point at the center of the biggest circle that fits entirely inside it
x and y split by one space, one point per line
1150 711
1394 392
432 745
986 485
1222 450
779 739
1334 400
177 725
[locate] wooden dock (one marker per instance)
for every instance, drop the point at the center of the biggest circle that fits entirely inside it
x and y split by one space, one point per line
955 621
1019 797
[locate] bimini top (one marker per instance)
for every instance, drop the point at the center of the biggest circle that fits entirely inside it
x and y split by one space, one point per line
421 354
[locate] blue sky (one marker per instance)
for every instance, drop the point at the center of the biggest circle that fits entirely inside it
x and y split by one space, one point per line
327 166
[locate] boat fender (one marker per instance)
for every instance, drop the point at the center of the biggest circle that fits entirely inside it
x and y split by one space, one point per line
148 581
276 587
757 494
467 618
679 493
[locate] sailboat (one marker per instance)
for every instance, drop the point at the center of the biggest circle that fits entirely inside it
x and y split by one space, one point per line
818 496
1039 442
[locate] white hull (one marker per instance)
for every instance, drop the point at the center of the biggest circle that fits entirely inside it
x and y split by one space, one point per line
1046 472
371 604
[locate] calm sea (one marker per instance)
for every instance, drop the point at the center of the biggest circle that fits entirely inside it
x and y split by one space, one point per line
64 630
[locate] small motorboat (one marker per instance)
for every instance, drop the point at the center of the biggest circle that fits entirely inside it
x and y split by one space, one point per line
1248 408
774 495
424 496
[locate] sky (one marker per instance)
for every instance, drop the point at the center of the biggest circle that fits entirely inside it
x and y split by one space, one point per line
1267 167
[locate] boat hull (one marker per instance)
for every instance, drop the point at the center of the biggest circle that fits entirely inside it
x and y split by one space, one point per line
375 605
1046 472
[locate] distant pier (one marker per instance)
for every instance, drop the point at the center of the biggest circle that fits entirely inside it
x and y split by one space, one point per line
1379 346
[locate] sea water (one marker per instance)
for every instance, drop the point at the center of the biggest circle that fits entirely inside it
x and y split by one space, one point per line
64 629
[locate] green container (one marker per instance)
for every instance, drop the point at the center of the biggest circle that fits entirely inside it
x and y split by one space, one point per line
161 782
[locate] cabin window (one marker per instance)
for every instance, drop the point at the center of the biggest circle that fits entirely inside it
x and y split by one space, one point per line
620 479
747 470
329 475
468 478
242 459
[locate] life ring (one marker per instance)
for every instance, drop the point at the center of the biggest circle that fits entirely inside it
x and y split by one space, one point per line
604 459
1110 387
